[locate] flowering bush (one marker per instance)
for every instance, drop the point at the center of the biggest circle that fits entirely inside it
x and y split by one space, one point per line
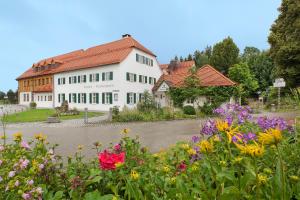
236 159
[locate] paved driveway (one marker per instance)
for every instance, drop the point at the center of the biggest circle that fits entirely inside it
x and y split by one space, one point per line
155 135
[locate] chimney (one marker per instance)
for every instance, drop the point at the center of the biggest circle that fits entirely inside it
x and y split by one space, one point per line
126 35
174 64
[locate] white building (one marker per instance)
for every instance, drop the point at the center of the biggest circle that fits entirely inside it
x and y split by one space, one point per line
98 78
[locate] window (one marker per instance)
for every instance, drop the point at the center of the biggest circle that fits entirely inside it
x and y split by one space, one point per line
152 80
94 77
50 98
130 77
143 60
39 81
74 98
24 97
47 80
43 81
61 81
141 96
81 98
45 97
61 98
107 76
38 98
116 97
131 98
94 98
107 98
190 101
142 79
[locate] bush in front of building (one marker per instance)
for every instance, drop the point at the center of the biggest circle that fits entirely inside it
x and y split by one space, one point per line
32 105
189 110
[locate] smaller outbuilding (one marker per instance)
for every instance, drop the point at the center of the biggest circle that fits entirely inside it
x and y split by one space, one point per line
175 75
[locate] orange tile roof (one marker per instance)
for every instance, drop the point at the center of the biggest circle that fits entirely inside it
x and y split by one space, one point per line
207 75
105 54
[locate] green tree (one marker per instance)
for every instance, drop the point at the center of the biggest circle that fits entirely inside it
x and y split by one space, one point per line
224 55
247 83
2 94
11 95
190 57
200 59
181 59
285 42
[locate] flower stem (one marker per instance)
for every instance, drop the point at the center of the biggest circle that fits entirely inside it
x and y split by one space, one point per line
281 173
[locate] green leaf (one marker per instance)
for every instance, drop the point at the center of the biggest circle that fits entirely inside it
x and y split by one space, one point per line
95 195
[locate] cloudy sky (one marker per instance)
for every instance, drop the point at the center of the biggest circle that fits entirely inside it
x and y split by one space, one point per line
31 30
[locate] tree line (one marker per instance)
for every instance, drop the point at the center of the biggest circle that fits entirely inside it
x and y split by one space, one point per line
10 96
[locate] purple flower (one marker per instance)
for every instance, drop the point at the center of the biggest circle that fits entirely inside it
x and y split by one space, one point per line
229 120
11 174
195 139
41 166
26 196
25 145
219 111
209 128
267 123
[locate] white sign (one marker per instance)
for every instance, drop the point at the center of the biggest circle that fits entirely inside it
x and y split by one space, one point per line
279 82
163 87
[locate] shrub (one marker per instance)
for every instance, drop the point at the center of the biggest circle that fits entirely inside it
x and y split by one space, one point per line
147 103
207 108
189 110
32 105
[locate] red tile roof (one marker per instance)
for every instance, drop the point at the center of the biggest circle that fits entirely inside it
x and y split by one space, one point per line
207 75
105 54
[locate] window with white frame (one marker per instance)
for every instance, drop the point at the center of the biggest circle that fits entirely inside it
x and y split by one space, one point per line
143 79
144 60
107 98
107 76
131 98
94 77
116 97
131 77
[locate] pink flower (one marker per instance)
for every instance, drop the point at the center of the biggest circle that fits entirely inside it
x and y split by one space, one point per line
41 166
182 166
25 145
11 174
1 147
30 182
26 196
109 160
17 183
23 163
117 147
1 162
39 190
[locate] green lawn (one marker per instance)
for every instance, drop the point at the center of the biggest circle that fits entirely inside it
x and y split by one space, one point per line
37 115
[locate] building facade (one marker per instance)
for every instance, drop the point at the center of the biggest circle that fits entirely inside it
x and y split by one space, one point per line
98 78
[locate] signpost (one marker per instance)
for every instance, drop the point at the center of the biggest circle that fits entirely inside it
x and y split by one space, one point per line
279 83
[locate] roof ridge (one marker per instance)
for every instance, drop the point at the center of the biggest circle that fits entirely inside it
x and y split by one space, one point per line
207 65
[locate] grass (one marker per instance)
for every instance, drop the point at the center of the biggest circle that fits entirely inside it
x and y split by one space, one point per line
38 115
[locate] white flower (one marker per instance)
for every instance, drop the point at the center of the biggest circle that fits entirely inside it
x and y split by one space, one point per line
39 190
17 183
30 182
11 174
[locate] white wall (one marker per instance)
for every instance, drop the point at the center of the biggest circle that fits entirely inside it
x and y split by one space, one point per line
24 101
38 98
119 85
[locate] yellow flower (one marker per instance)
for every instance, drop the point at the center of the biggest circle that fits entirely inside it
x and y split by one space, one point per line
223 163
35 163
237 160
222 125
253 150
216 138
173 180
205 146
134 175
125 131
185 146
231 132
262 179
267 170
40 137
295 178
192 152
271 136
166 169
79 147
195 167
18 137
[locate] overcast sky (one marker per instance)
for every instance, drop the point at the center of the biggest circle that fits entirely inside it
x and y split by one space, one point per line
31 30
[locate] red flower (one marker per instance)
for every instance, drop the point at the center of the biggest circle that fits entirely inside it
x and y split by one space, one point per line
109 160
117 147
182 166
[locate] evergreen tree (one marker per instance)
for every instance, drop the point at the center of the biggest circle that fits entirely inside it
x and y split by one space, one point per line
200 58
190 57
181 58
176 58
11 95
285 42
2 95
224 55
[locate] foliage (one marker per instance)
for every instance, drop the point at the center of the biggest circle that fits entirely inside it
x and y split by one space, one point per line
237 161
285 42
2 95
207 108
202 57
36 115
12 96
32 105
243 76
261 66
189 110
224 55
147 103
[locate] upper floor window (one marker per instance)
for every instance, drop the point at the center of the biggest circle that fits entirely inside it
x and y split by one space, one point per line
107 76
152 80
94 77
81 79
72 79
143 59
130 77
143 79
61 81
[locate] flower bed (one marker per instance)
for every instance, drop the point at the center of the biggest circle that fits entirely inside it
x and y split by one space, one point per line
232 158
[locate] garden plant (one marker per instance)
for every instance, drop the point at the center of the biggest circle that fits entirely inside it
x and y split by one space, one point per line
233 157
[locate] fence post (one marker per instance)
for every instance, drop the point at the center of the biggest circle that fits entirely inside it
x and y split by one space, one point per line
86 120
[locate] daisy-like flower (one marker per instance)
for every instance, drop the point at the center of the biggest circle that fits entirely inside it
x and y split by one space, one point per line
166 169
262 179
134 175
253 150
18 137
125 131
205 146
40 137
271 136
222 125
192 152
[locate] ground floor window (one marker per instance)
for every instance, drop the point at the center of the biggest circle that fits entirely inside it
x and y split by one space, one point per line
131 98
61 98
94 98
82 98
50 98
107 98
116 97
